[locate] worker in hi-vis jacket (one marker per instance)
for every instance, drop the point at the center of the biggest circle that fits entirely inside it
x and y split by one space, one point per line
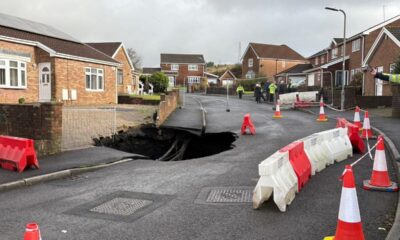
395 78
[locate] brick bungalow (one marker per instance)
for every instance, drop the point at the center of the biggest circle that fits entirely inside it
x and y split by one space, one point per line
327 64
126 77
183 69
41 64
266 60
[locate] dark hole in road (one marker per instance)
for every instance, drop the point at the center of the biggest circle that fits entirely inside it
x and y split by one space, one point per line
168 144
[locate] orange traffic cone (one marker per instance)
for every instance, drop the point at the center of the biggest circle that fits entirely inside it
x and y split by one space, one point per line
247 123
380 180
349 224
32 232
277 110
357 120
322 116
366 132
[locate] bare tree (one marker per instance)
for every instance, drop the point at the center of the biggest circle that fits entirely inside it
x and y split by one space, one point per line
135 58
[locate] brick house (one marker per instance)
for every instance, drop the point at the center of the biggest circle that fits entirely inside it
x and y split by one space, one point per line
267 60
327 64
41 64
183 69
126 77
294 74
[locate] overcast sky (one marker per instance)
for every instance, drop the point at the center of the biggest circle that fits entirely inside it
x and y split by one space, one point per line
210 27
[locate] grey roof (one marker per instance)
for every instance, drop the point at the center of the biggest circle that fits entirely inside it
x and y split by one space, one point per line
299 68
33 27
395 32
182 58
318 53
338 40
151 70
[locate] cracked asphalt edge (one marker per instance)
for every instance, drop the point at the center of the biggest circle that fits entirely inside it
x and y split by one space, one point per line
58 175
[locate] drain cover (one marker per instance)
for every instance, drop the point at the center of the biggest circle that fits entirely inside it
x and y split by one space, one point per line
121 206
225 195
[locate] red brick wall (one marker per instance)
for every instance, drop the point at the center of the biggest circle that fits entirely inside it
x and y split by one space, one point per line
270 67
167 105
40 122
70 74
245 63
183 72
127 72
385 54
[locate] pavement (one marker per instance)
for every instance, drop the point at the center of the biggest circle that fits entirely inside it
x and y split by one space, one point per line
81 158
64 208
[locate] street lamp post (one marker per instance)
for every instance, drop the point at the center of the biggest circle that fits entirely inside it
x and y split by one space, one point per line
344 55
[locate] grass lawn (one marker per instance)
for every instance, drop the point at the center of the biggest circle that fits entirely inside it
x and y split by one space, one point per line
248 92
147 97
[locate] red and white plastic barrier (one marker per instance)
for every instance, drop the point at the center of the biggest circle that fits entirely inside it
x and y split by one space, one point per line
277 176
287 171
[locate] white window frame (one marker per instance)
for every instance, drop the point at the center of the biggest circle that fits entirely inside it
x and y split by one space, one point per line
174 67
99 73
356 45
250 62
120 77
193 79
193 67
21 67
391 67
346 78
334 53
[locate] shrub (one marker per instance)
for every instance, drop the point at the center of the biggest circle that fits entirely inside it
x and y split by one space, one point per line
160 82
21 100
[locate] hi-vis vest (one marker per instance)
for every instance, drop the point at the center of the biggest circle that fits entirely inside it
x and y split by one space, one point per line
393 77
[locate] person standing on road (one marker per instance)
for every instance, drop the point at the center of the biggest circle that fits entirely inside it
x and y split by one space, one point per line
258 93
240 91
289 86
266 89
272 89
395 78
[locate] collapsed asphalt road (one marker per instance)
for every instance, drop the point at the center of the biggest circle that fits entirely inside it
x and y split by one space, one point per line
168 200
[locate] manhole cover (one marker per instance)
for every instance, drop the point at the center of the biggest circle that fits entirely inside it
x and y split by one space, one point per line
225 195
121 206
229 196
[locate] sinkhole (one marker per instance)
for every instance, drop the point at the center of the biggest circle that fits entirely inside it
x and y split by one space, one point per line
166 144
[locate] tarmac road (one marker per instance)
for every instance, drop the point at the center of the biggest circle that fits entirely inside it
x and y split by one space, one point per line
174 191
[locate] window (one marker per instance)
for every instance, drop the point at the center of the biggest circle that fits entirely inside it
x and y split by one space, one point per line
250 63
250 74
94 79
352 74
322 59
392 67
334 53
12 74
283 64
316 61
174 67
192 80
120 77
193 67
338 78
355 45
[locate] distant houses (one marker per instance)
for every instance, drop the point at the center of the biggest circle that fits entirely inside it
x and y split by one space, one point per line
39 63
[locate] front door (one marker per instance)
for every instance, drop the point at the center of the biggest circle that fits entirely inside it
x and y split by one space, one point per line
44 82
379 84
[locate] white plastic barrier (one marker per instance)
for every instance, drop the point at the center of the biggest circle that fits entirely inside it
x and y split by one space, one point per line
277 176
151 87
140 89
308 96
337 144
288 98
319 158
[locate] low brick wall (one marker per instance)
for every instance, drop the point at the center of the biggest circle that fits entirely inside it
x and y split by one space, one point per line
221 90
126 99
40 122
167 105
353 99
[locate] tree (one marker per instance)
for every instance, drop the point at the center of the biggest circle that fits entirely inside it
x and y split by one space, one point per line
160 82
210 64
135 58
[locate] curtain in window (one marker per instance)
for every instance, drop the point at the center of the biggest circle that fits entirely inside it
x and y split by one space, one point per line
2 77
13 77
